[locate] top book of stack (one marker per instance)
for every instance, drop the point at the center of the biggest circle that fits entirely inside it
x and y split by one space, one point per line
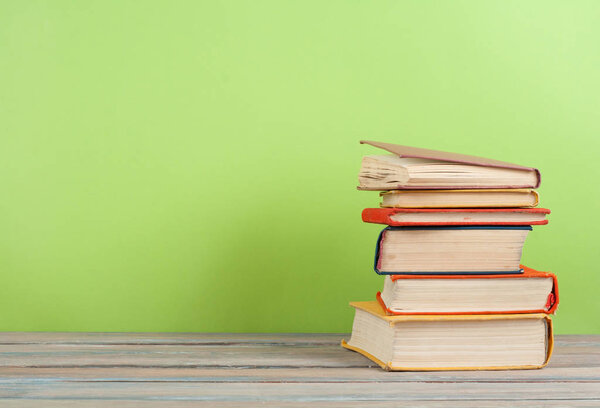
412 168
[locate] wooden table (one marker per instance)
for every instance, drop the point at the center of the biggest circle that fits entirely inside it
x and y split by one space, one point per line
273 370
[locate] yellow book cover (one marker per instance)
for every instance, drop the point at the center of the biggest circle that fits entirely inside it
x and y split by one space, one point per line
404 322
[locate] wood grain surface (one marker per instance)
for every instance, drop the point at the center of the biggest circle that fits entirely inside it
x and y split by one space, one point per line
272 370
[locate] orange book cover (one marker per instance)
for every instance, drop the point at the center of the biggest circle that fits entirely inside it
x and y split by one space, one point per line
454 216
550 308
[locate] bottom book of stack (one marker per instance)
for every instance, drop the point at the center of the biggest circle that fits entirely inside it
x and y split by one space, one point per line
451 342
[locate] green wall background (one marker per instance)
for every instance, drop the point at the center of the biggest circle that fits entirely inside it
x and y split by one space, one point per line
191 165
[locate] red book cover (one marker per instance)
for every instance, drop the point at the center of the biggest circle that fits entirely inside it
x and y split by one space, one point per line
550 307
405 217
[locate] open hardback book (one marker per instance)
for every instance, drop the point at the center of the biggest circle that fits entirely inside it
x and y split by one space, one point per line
415 168
450 342
529 292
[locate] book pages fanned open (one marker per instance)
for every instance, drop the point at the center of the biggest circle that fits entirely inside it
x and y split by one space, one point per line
415 168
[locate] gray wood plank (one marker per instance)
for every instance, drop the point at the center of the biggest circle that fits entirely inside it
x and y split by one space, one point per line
96 369
286 375
218 338
245 355
169 338
21 403
303 392
42 355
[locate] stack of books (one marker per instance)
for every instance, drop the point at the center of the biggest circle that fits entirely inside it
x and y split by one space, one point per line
455 295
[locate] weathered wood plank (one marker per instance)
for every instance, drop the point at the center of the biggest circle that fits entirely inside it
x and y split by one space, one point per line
288 375
169 338
178 356
212 338
20 403
302 392
223 356
97 369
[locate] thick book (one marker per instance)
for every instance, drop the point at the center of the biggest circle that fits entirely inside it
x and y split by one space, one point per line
482 198
416 168
457 250
398 217
451 342
530 292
